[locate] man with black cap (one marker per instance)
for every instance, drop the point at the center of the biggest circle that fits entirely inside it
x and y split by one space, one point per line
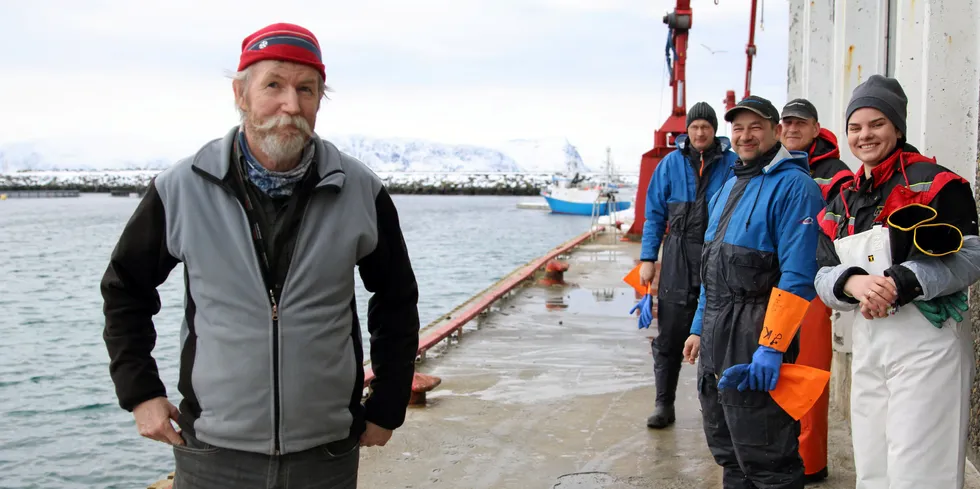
677 198
912 367
758 270
802 132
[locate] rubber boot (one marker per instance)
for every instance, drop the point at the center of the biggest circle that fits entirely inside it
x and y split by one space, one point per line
662 417
815 478
901 228
937 239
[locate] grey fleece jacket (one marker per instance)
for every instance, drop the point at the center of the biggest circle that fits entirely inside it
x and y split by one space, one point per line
271 357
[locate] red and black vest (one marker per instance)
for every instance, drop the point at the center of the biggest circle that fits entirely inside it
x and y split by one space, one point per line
904 178
826 167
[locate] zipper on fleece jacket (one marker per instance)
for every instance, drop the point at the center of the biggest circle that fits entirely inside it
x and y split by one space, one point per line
254 217
273 276
275 363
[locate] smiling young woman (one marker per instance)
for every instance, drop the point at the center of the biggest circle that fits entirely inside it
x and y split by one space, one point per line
912 367
872 137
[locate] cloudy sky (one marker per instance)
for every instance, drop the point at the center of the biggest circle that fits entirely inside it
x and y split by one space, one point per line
118 77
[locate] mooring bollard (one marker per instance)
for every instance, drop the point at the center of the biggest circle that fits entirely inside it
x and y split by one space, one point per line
554 273
421 384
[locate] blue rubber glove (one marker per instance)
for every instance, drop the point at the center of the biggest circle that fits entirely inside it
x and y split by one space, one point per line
646 312
736 376
764 369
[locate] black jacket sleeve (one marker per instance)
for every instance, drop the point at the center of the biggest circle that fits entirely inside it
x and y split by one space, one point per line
138 265
955 205
393 319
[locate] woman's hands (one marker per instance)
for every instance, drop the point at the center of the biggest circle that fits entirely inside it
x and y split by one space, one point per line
876 294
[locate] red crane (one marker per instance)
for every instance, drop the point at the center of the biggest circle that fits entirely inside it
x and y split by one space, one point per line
749 54
678 24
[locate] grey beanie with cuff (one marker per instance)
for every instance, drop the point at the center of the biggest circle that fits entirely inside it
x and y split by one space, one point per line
884 94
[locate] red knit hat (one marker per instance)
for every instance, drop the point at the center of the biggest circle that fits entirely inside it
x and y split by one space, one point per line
282 42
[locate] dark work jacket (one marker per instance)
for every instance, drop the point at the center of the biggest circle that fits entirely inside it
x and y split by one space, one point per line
677 212
826 167
761 235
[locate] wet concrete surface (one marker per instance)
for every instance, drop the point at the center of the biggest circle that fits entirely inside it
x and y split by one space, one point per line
553 391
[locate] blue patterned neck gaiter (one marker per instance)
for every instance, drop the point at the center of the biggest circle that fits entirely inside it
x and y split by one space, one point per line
272 183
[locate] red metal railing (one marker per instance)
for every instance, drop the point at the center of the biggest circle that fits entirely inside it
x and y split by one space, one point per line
440 333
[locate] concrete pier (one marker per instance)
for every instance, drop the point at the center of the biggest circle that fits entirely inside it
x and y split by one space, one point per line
552 390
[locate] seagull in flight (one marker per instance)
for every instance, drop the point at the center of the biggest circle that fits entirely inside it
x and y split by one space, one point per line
713 51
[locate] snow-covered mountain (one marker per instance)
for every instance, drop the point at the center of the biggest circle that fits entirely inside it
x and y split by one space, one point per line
381 154
64 155
545 155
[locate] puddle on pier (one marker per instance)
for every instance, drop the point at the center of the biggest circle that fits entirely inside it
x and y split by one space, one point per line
600 255
616 301
582 342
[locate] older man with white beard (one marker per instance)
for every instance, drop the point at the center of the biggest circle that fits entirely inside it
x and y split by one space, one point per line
270 222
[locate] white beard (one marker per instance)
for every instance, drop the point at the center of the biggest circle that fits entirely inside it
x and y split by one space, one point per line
280 147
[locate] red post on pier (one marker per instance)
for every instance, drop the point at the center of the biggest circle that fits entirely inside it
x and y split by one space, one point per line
679 22
750 52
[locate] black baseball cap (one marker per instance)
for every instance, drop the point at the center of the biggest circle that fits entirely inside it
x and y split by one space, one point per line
756 104
800 108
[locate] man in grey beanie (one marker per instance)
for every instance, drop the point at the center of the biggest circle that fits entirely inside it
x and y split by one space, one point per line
678 195
911 367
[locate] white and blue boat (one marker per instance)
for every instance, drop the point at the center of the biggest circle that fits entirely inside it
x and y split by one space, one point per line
586 197
587 201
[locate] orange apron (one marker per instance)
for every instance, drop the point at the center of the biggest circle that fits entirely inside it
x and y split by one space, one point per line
816 350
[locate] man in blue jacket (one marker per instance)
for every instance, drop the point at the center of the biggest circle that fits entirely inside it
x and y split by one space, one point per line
759 264
678 196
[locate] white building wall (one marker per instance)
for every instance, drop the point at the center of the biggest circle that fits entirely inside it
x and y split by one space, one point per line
931 46
934 52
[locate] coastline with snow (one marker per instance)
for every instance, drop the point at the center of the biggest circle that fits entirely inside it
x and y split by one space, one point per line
414 182
407 166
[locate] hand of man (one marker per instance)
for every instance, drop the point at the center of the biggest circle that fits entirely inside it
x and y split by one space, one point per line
375 435
764 369
153 420
649 273
692 347
876 294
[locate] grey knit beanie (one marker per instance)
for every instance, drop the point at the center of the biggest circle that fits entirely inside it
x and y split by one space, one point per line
702 110
884 94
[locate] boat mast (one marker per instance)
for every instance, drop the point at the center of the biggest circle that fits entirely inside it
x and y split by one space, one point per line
609 168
